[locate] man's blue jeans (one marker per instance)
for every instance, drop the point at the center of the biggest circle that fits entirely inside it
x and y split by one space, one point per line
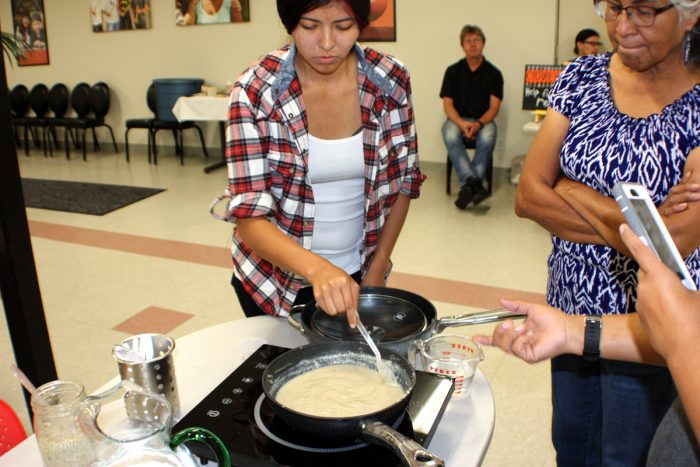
485 142
605 413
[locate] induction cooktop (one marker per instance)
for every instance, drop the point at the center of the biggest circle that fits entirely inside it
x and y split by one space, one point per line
238 412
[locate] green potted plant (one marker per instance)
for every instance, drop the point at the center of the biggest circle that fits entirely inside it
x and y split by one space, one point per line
13 46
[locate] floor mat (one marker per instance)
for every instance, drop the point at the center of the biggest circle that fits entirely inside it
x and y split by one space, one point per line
85 198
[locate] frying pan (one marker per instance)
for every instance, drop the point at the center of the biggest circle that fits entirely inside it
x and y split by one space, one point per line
394 318
370 427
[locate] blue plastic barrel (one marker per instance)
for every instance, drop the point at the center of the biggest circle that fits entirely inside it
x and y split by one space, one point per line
168 90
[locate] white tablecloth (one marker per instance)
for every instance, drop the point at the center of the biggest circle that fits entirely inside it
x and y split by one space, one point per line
205 358
201 108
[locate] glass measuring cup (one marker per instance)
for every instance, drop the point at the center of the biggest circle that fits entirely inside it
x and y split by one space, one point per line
450 355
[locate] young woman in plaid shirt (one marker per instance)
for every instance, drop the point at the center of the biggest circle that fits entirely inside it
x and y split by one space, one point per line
322 162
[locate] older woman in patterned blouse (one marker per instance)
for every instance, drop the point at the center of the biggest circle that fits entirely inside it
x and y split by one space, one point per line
629 115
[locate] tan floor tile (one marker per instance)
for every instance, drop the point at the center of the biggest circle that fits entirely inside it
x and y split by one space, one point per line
153 320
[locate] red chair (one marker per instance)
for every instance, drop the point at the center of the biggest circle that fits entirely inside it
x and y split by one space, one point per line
11 430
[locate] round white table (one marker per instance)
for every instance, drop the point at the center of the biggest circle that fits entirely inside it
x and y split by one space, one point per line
205 358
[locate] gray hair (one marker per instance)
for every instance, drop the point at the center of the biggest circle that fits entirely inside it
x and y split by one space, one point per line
690 9
687 8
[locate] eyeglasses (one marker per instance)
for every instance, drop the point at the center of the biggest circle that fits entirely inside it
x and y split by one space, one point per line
643 16
593 43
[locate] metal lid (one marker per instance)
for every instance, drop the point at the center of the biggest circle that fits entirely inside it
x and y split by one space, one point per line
387 319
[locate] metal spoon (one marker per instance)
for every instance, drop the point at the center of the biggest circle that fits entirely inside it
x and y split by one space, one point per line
383 370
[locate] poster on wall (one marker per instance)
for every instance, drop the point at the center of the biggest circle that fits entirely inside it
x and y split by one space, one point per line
539 80
120 15
191 12
29 23
382 22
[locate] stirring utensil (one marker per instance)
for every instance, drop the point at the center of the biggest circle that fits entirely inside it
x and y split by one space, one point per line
26 383
127 353
381 366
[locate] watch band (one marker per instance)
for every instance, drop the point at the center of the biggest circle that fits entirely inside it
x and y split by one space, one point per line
481 124
591 338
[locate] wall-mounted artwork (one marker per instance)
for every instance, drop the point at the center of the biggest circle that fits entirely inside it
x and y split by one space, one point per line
120 15
539 80
29 24
382 22
190 12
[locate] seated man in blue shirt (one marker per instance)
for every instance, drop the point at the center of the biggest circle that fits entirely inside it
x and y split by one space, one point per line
471 92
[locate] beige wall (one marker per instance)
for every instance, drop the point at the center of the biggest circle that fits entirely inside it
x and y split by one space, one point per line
518 32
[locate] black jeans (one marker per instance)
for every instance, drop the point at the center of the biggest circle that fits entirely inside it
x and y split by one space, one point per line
250 308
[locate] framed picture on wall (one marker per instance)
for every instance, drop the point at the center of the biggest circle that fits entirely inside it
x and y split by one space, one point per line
119 15
192 12
539 80
382 22
29 23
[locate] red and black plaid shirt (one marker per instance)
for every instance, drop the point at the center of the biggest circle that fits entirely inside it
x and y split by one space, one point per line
267 150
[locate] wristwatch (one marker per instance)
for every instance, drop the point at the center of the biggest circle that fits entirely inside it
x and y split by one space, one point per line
591 338
481 124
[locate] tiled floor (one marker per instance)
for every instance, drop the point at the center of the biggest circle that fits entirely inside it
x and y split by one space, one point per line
162 265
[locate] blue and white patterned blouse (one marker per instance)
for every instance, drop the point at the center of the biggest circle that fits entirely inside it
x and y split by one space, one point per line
604 146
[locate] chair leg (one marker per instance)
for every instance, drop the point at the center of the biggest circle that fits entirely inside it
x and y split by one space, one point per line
55 137
178 149
126 143
149 145
66 131
84 145
26 141
201 138
114 141
449 176
49 141
182 147
155 148
43 139
95 142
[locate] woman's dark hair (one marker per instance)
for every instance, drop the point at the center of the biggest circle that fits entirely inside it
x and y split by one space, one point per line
291 11
694 39
582 35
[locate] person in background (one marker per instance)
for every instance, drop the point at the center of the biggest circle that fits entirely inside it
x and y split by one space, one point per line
110 13
587 42
664 331
323 162
142 12
37 36
212 11
184 15
126 15
629 115
471 92
24 28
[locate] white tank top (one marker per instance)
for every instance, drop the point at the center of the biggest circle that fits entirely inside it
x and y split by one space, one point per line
337 176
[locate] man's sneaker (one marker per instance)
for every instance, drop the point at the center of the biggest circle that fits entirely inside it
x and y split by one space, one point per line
464 197
479 193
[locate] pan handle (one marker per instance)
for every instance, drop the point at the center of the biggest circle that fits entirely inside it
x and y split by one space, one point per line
411 453
479 317
294 318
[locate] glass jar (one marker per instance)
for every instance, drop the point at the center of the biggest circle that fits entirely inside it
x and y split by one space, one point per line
60 440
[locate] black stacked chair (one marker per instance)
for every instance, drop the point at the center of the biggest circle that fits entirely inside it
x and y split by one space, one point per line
177 128
39 103
19 103
143 123
87 100
59 99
